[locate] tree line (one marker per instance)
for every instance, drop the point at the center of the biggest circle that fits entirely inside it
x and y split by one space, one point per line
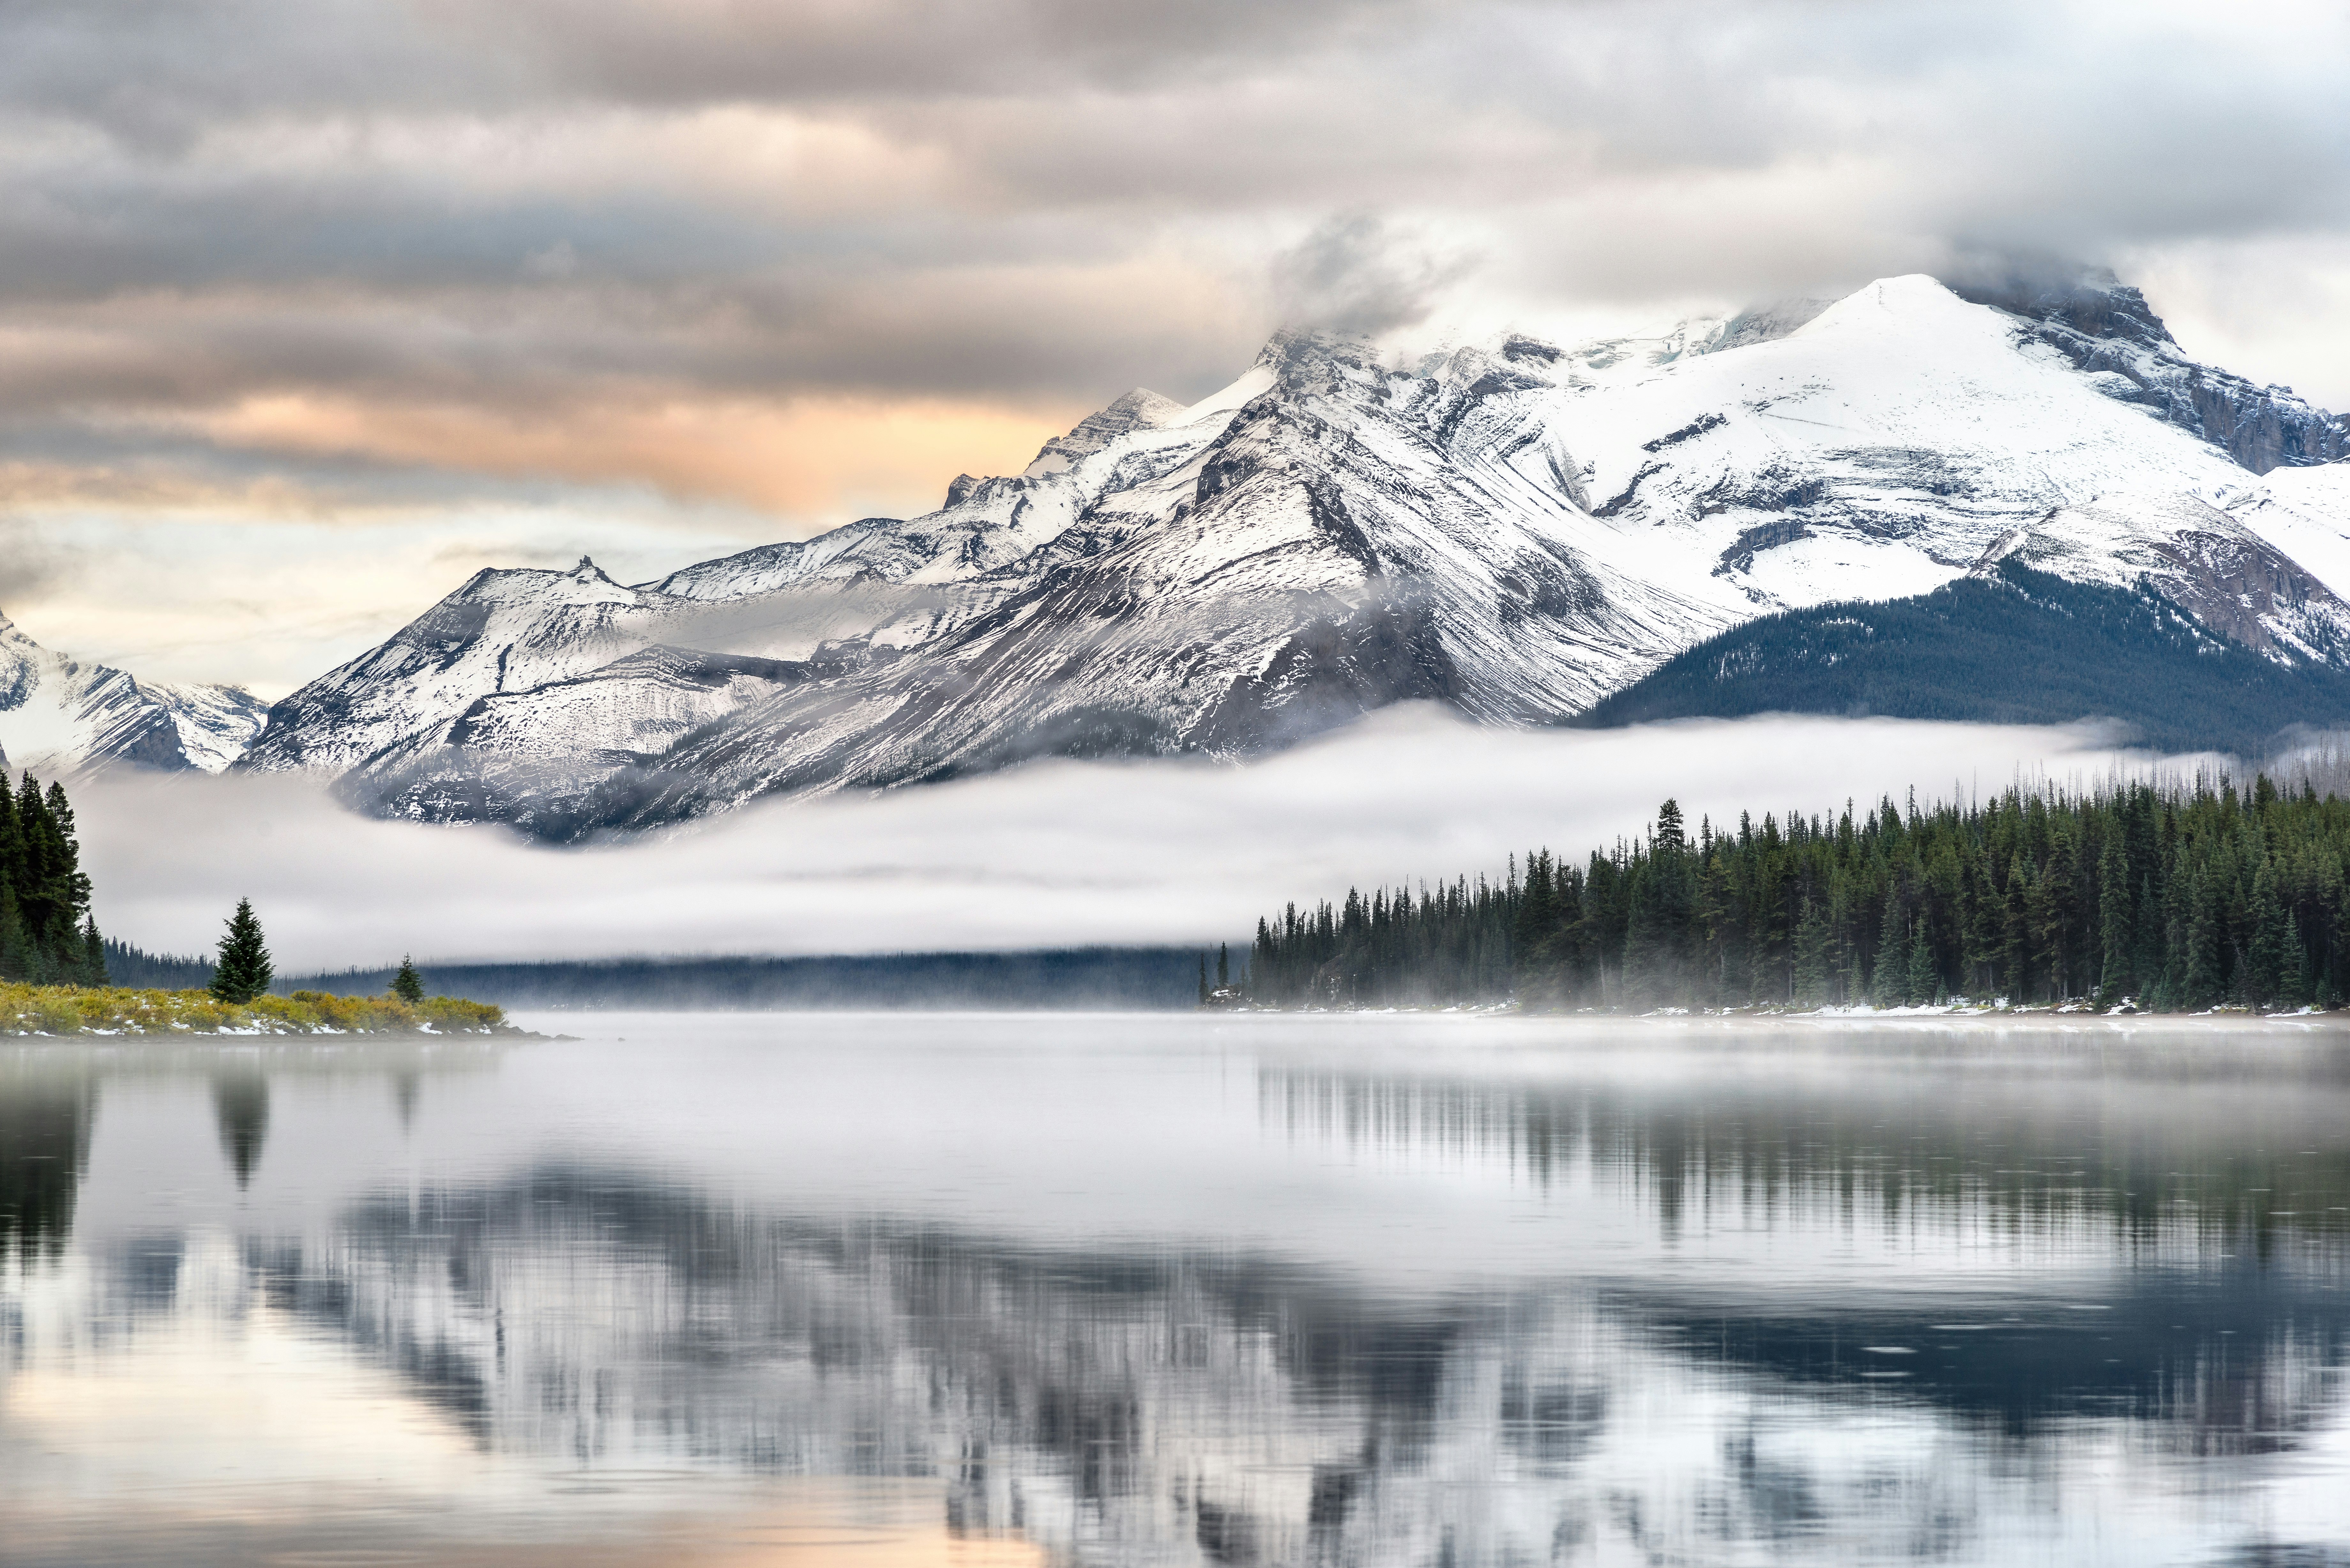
48 936
2176 897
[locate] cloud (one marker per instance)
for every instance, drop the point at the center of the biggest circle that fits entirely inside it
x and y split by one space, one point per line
1057 853
30 565
1357 275
619 243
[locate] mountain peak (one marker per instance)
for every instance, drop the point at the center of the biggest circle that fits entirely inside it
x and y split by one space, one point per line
2090 300
1140 409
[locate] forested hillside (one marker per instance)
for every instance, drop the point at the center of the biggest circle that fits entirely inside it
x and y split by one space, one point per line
46 935
2180 899
2019 647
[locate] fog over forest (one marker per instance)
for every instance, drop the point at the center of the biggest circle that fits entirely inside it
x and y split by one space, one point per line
1059 853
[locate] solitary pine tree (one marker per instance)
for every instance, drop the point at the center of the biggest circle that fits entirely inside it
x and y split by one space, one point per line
243 970
407 985
93 949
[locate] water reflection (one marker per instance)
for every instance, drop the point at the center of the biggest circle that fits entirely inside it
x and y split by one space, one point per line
44 1148
1851 1316
2256 1165
241 1104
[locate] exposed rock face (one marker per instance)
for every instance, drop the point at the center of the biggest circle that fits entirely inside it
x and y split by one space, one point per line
1140 409
1514 533
1766 324
2106 329
216 722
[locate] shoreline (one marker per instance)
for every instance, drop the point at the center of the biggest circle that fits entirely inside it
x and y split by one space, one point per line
126 1013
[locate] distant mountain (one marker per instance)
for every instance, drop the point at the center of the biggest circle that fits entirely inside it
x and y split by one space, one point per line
59 714
1517 532
2120 653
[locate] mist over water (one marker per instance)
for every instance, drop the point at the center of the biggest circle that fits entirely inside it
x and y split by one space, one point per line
1145 1289
1052 855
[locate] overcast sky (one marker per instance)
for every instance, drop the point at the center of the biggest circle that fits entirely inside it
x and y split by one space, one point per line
310 307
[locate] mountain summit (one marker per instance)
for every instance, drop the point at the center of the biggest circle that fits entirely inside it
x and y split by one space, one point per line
1514 532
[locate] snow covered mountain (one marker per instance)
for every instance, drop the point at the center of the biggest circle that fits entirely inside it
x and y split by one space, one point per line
1515 531
58 713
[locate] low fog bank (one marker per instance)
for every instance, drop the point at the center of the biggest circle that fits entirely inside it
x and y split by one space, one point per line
1119 980
1058 855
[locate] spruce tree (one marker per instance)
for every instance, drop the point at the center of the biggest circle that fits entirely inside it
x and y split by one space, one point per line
1811 957
407 985
242 970
2293 979
2206 979
1891 978
17 961
2272 931
2113 979
2015 932
1921 981
93 954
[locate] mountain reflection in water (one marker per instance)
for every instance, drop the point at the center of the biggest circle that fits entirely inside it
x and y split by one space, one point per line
1179 1290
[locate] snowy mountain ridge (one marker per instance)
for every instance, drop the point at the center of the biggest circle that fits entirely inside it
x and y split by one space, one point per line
58 713
1515 531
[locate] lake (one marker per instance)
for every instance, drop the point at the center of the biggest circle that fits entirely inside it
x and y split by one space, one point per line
903 1289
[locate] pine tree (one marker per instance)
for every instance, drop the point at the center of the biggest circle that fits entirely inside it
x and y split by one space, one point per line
17 958
2015 927
1811 957
2206 979
2293 979
2272 932
407 985
2114 977
1921 979
1892 977
243 970
93 951
1223 966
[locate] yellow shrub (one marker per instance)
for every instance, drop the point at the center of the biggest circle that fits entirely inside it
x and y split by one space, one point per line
69 1009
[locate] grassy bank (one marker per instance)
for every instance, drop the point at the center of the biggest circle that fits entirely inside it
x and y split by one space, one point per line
120 1010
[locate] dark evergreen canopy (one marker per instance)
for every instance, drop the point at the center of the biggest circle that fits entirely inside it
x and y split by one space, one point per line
2180 899
2013 647
47 934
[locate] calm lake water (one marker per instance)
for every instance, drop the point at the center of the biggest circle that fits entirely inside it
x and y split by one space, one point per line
1144 1289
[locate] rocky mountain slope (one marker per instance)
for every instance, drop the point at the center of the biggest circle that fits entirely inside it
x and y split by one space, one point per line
1515 531
2123 654
58 713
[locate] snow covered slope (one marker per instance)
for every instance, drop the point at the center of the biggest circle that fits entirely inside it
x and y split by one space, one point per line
1515 531
216 722
58 713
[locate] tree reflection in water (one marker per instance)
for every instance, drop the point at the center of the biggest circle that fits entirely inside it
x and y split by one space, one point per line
241 1106
45 1124
1842 1317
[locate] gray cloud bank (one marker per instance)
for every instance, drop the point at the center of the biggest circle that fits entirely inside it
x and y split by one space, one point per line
1057 854
535 203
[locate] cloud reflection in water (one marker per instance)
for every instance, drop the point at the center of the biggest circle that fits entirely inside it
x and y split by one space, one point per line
1701 1304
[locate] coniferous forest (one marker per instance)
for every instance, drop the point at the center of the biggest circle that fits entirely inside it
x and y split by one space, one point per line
47 934
2176 898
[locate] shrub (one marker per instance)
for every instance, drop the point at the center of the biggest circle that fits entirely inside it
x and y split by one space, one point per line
69 1009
